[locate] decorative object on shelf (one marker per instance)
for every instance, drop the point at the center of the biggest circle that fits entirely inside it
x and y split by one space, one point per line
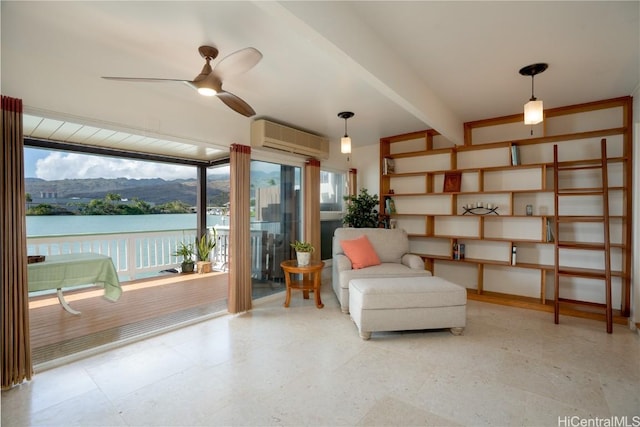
32 259
479 209
515 155
303 252
452 182
204 246
388 166
393 224
390 206
362 210
529 210
533 110
185 250
345 142
513 255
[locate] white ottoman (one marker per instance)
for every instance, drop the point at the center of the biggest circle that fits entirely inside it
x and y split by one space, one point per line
407 303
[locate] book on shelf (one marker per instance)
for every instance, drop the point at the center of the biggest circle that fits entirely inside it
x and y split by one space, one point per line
389 166
515 155
549 231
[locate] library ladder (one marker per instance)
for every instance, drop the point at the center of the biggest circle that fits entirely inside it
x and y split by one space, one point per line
561 199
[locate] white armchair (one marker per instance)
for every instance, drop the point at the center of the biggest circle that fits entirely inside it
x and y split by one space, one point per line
391 246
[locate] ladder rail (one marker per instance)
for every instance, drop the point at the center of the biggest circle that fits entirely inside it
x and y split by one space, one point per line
607 239
606 246
556 228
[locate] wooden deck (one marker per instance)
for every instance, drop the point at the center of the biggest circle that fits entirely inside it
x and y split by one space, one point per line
141 301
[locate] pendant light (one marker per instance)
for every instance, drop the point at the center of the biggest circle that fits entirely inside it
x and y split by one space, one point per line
345 142
533 110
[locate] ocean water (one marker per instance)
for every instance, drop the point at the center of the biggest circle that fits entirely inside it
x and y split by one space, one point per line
44 225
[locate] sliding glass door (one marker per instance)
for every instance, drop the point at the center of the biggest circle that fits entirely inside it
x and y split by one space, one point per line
276 219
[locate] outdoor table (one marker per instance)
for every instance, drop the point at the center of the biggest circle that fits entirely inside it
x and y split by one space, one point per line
63 271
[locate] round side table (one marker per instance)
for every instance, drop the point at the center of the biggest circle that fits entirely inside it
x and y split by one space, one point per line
310 279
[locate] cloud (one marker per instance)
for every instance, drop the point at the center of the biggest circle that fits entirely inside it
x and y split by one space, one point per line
58 165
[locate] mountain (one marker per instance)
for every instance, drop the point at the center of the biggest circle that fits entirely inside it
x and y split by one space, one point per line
151 190
155 191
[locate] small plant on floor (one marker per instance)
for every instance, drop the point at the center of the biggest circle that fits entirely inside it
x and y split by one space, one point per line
205 244
185 250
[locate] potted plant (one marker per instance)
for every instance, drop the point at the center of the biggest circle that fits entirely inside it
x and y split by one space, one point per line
362 210
204 246
303 252
185 250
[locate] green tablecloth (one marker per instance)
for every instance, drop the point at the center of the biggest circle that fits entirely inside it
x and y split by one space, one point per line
60 271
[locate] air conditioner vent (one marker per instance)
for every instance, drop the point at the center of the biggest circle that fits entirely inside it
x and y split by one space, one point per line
266 134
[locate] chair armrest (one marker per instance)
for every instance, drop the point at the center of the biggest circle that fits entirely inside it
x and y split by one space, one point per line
342 262
413 261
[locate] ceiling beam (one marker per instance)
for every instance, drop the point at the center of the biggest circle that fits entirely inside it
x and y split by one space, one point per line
333 26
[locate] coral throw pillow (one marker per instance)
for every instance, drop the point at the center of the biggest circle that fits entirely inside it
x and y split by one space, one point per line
360 252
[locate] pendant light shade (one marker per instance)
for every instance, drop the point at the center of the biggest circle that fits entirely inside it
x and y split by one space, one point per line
533 110
345 145
345 142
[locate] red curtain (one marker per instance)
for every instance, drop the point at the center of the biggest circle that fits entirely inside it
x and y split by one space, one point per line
16 348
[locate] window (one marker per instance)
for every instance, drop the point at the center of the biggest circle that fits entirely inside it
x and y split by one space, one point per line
333 188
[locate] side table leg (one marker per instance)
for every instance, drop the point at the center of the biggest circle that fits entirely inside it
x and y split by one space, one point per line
316 290
287 299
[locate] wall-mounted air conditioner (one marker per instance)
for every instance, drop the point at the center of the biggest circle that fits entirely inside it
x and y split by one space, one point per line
279 137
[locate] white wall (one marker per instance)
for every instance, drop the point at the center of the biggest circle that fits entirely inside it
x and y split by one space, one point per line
367 160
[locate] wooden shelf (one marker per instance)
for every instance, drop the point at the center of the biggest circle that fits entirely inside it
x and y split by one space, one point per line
568 309
434 219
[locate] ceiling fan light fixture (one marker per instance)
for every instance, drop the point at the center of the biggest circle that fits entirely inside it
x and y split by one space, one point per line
207 91
533 110
345 141
207 86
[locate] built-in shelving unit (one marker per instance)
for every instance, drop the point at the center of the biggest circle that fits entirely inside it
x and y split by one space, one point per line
503 166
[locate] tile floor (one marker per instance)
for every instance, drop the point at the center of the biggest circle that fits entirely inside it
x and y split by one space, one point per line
304 366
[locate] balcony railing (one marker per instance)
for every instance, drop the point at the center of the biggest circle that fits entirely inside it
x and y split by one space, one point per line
145 254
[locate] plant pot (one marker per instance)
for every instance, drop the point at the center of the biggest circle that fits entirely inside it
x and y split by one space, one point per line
304 258
187 267
204 267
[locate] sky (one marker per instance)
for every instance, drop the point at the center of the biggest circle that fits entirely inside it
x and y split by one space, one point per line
53 165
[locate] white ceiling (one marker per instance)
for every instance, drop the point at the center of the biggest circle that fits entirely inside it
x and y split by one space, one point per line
400 66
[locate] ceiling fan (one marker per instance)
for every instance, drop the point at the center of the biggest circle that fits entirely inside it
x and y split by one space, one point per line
209 81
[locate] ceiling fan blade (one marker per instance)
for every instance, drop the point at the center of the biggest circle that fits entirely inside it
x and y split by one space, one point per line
238 62
236 104
144 79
